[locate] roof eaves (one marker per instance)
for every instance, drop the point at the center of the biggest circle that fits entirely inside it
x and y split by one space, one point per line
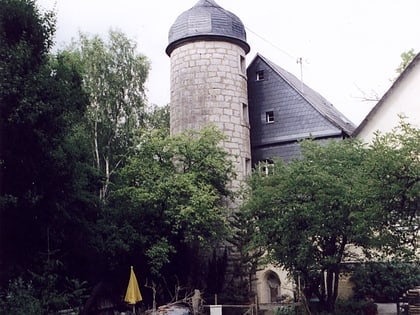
394 86
302 136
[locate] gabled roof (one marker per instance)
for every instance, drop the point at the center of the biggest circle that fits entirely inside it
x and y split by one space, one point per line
383 99
325 108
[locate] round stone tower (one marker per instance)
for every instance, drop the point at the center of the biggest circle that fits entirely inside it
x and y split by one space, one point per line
207 47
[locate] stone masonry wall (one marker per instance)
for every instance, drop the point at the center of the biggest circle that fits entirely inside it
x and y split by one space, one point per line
209 86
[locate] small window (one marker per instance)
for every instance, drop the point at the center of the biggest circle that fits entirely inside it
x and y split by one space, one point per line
260 75
269 116
242 64
245 115
247 166
266 167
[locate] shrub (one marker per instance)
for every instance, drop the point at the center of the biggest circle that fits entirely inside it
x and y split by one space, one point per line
20 298
385 282
292 309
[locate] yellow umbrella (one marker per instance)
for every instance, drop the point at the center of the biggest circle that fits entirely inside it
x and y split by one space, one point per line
133 295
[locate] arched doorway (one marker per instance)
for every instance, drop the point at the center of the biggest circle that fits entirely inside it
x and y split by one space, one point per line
273 286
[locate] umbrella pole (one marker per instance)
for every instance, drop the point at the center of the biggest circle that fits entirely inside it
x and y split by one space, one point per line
134 308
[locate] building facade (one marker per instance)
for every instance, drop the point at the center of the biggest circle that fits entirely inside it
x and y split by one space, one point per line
283 110
263 110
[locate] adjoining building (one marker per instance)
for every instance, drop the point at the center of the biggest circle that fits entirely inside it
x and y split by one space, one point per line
401 100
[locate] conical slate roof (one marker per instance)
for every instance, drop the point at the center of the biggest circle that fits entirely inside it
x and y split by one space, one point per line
207 20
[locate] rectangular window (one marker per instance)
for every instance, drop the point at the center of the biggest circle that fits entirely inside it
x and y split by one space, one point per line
247 168
245 115
266 168
260 75
269 116
243 67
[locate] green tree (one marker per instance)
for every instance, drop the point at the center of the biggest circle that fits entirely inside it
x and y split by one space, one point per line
308 211
392 196
167 210
46 205
158 118
114 78
245 266
303 213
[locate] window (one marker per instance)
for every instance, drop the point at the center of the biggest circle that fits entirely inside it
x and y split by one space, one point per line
245 115
269 117
247 169
260 75
242 64
266 167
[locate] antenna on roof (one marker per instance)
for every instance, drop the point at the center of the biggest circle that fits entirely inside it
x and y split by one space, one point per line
299 61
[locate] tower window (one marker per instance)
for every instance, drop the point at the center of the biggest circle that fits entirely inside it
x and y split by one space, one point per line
245 116
247 169
260 75
242 64
269 116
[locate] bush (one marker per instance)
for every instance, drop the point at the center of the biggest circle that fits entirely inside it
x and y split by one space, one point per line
385 282
44 293
20 298
292 309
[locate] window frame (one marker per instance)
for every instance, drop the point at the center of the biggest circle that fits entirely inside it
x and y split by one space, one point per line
260 75
269 116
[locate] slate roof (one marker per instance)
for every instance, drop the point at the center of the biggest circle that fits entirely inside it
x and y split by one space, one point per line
320 104
206 19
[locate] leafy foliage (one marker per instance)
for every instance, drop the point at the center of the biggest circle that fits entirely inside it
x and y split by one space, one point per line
44 293
406 58
305 210
168 204
385 282
114 75
338 194
20 299
46 201
158 118
392 195
247 258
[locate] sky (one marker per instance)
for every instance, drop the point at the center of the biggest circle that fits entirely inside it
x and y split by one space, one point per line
349 48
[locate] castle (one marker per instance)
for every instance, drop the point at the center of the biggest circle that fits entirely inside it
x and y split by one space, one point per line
262 109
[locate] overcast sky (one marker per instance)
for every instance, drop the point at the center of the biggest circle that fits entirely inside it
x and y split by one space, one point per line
348 47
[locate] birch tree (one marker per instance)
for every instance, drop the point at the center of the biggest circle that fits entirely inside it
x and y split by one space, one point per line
114 77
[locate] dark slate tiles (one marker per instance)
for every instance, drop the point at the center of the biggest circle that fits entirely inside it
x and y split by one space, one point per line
297 115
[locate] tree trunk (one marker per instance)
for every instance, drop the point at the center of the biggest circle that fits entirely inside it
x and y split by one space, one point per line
105 185
96 152
332 287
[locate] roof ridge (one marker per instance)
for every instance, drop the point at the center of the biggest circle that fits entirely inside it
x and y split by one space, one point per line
393 86
326 109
